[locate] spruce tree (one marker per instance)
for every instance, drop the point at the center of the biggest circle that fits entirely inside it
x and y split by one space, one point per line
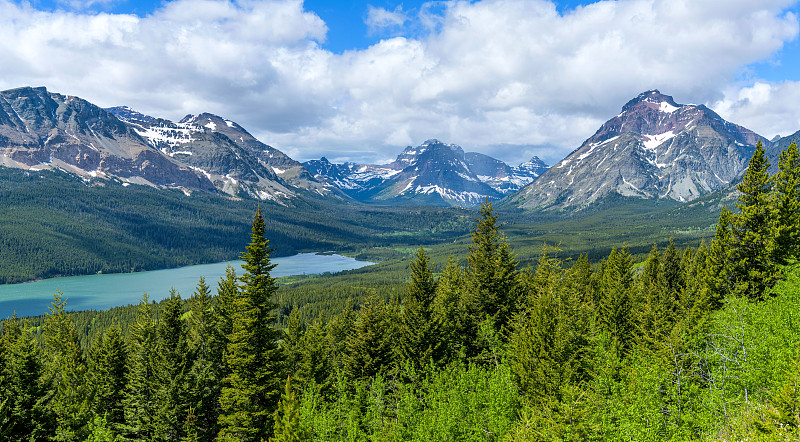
207 345
140 405
753 268
172 373
109 376
616 309
287 418
718 266
786 200
453 309
252 388
66 367
25 412
492 276
420 331
368 348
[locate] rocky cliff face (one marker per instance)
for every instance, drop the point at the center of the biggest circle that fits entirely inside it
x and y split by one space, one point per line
655 148
42 130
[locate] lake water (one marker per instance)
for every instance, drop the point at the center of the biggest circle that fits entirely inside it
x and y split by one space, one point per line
100 292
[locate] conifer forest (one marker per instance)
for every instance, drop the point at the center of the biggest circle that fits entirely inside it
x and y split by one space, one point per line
692 343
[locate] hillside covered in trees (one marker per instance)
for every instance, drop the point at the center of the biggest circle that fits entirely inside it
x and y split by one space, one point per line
695 343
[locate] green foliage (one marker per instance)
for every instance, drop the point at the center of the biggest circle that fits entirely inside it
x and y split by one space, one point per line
753 270
287 418
251 388
420 334
786 201
491 276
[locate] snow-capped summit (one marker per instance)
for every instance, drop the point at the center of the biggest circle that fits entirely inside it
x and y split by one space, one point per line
655 148
432 173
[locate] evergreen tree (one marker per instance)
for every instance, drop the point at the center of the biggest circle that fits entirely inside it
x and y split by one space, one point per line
25 413
550 336
140 405
615 311
753 269
492 276
287 418
315 368
291 342
420 331
718 265
66 368
109 376
368 349
252 387
207 345
173 366
786 200
453 309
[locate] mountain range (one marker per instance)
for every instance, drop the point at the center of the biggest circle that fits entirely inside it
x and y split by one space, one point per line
654 148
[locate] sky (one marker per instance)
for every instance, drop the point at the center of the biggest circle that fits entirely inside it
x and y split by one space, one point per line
360 80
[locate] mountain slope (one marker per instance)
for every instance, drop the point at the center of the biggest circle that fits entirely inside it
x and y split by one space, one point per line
43 130
655 148
235 161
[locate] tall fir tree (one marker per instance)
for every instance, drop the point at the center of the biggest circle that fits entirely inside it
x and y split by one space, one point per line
492 276
753 269
420 330
718 266
786 200
616 308
173 371
368 347
207 345
252 388
140 404
454 310
66 367
25 390
109 376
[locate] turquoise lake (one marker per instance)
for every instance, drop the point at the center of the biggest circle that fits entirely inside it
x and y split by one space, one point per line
100 292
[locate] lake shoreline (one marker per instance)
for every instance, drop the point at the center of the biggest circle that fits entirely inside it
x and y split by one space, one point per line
107 290
326 253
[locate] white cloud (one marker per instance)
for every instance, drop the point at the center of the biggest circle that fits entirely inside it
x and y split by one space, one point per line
486 74
380 18
769 109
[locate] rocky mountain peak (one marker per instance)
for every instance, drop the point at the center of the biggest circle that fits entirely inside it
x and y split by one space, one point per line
655 148
654 100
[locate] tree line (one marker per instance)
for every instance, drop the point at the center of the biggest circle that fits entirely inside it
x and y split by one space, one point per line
698 343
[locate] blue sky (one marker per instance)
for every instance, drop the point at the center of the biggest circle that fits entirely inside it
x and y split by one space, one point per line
359 80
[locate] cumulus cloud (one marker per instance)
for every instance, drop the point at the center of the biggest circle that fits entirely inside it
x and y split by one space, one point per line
769 109
487 75
379 19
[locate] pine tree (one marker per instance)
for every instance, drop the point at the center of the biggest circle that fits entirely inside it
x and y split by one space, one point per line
287 418
420 331
786 200
109 376
492 276
453 309
717 276
25 413
207 345
753 269
290 344
368 348
252 388
66 368
172 373
315 368
615 311
140 405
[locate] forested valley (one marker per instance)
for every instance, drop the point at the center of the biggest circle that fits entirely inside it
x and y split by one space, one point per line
699 342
